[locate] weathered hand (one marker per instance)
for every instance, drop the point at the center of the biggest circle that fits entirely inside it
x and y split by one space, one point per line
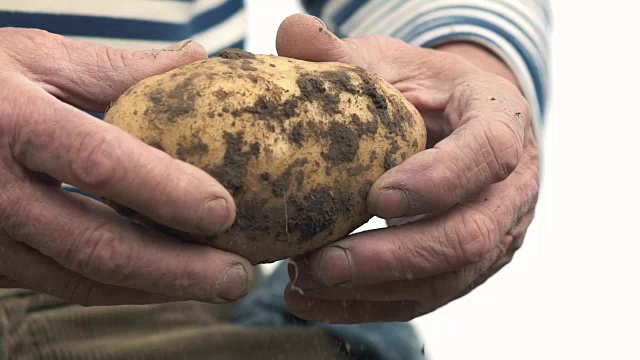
74 247
464 203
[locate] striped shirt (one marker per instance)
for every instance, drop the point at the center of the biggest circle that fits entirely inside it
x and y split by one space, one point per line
515 30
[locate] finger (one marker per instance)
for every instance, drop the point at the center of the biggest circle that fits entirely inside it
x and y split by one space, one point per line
403 302
350 311
431 290
88 75
489 119
298 30
428 290
512 243
56 139
516 242
89 238
423 290
463 236
39 273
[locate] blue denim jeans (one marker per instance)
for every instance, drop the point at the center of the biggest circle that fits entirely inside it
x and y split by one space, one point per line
265 306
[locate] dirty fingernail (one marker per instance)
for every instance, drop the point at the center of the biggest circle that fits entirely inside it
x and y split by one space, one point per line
391 203
335 266
320 21
234 283
215 217
179 46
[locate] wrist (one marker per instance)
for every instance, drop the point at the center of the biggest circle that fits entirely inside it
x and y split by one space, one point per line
482 58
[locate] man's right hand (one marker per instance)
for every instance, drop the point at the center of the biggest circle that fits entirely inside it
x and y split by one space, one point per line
71 246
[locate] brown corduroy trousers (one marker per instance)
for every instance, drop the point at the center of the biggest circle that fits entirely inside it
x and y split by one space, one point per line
37 326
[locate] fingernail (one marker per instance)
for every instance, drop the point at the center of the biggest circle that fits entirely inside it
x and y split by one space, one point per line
391 203
179 46
321 22
234 283
215 217
335 266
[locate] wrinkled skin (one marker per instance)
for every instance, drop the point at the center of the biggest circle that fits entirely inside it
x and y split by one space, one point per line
466 201
73 247
460 208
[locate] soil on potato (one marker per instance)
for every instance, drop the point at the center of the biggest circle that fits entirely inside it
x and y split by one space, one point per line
309 211
235 54
319 208
233 172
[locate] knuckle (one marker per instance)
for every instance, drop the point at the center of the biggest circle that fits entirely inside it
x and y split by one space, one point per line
472 235
12 204
196 279
452 180
92 163
430 245
101 256
111 61
499 125
402 257
163 188
504 146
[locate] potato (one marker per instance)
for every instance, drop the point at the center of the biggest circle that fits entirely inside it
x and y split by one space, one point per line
297 144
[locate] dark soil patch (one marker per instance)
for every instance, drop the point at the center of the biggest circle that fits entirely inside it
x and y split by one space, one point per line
344 144
233 172
236 54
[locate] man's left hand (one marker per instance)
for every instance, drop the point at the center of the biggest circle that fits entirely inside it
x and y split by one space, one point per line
459 210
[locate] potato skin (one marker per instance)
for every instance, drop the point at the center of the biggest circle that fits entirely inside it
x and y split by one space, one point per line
297 144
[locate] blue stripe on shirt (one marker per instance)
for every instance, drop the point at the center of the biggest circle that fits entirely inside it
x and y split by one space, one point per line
531 49
348 10
99 26
526 55
415 18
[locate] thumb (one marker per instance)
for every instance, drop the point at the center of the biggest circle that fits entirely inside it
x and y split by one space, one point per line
92 76
306 37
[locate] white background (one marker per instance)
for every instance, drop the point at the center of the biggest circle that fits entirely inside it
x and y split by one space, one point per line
572 290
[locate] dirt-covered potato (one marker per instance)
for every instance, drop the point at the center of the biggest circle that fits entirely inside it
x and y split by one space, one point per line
297 144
